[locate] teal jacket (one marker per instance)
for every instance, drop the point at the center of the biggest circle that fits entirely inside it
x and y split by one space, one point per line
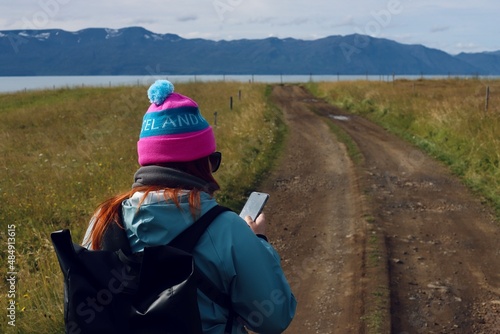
242 265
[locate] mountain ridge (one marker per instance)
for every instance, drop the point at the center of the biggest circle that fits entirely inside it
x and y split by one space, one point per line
138 51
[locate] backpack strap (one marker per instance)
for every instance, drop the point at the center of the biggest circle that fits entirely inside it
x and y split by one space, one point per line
188 239
65 251
115 238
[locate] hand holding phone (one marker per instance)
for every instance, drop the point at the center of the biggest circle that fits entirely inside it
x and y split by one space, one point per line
254 205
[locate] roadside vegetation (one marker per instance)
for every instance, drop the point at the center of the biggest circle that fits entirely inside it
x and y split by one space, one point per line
446 118
64 151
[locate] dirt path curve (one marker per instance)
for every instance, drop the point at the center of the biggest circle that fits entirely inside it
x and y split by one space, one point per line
441 244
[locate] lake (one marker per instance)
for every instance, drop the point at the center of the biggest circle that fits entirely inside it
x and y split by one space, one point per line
16 84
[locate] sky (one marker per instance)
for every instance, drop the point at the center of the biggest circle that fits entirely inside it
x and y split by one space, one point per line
453 26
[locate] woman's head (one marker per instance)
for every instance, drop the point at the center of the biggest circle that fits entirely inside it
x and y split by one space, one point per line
173 129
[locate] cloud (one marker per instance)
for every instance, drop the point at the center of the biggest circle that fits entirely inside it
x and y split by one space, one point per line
467 47
347 21
261 20
187 18
295 22
143 22
439 29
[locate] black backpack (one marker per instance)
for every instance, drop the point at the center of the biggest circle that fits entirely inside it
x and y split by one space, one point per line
151 292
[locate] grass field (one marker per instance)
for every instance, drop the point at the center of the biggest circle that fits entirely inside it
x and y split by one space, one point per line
446 118
64 151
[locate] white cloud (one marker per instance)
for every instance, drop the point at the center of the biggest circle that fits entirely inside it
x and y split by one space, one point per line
467 47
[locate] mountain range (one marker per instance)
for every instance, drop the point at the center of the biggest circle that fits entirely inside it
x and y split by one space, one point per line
137 51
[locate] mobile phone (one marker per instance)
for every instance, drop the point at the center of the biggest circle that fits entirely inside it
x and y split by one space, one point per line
254 205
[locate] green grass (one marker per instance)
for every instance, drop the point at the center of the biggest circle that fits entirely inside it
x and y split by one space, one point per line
64 151
351 146
352 149
375 318
377 300
445 118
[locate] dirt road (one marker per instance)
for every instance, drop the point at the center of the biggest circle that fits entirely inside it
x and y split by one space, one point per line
393 244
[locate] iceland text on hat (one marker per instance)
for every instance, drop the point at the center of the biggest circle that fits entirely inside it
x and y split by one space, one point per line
172 121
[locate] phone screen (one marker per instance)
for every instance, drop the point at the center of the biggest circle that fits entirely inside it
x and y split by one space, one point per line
254 205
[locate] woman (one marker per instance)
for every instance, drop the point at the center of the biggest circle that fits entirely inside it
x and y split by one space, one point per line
173 187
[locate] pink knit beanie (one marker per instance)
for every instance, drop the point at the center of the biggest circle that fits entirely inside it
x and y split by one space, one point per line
173 129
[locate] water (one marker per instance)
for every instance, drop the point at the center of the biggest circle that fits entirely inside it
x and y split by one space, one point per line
16 84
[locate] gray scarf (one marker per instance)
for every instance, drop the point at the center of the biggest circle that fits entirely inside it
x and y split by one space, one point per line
170 178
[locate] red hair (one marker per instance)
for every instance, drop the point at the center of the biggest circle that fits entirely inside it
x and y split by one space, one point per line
108 211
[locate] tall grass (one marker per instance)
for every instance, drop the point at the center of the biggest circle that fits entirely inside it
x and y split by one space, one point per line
64 151
446 118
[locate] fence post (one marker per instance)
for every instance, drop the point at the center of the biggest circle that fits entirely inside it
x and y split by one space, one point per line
231 103
215 119
239 95
487 98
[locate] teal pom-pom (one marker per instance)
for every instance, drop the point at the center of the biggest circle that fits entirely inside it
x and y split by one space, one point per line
159 91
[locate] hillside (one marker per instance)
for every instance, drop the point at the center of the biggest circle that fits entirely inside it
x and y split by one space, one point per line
486 62
137 51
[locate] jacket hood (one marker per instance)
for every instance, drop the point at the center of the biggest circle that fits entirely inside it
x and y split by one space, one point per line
157 221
